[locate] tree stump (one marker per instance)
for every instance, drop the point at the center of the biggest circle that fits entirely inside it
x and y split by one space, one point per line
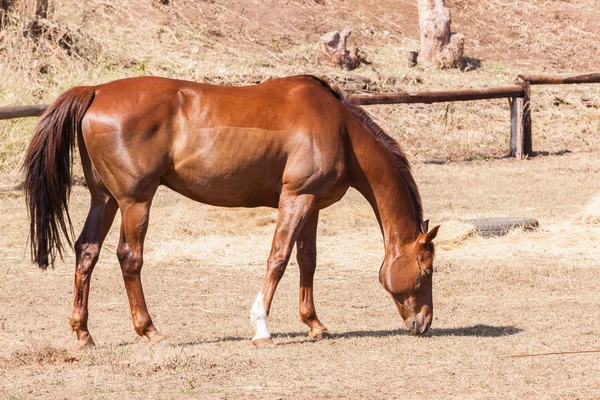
439 46
334 50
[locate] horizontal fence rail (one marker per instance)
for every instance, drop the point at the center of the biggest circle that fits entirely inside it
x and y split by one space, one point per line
439 97
561 79
518 95
22 111
361 99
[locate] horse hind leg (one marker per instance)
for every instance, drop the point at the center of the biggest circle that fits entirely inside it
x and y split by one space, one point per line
130 253
306 255
102 212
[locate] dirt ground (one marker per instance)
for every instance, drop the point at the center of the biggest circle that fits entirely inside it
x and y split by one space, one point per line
525 293
528 292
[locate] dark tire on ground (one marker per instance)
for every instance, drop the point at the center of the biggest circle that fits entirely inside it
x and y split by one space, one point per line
493 227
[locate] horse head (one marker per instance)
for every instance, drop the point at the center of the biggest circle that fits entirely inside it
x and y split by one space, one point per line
407 276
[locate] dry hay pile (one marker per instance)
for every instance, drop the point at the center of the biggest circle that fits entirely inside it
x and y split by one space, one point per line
590 214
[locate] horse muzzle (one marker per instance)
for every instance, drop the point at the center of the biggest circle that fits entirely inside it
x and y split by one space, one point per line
417 325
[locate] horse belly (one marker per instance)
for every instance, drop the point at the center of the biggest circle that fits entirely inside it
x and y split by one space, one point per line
229 167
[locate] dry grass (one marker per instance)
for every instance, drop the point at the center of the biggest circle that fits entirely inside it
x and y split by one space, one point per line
531 292
523 293
232 43
591 213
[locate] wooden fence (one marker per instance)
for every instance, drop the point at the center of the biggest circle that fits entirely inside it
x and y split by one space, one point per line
518 95
22 111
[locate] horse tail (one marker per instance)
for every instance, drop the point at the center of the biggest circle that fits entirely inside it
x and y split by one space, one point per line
47 168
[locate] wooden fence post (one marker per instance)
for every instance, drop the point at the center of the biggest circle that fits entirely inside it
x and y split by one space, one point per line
520 125
527 136
516 127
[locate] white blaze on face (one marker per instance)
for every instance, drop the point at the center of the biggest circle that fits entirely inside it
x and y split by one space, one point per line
258 318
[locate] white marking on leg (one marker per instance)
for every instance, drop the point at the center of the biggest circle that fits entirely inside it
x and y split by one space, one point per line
258 318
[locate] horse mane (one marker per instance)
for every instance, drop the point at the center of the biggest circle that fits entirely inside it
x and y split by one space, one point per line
386 141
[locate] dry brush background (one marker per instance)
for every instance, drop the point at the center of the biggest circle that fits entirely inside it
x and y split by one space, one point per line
523 293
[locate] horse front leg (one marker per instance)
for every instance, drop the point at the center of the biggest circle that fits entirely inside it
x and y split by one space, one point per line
87 249
306 254
131 257
293 213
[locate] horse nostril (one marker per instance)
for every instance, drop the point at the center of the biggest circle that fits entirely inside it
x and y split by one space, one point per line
414 326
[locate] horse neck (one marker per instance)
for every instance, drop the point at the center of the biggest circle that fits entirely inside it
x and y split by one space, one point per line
377 177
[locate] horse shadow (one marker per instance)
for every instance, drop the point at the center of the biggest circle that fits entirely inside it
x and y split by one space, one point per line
534 154
479 330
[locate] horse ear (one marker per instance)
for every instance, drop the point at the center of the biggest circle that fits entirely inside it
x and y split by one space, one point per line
425 238
432 234
424 226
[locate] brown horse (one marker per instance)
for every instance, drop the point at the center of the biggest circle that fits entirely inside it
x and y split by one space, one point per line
295 144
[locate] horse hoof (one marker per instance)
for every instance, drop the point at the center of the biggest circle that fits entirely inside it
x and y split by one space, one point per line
160 344
86 343
320 335
264 343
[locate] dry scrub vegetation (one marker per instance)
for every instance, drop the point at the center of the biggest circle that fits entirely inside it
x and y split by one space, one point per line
523 293
242 42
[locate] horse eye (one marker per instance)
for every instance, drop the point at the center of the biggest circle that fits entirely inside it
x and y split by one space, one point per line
417 284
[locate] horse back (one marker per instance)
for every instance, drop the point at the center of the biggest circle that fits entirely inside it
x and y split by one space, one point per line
231 146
